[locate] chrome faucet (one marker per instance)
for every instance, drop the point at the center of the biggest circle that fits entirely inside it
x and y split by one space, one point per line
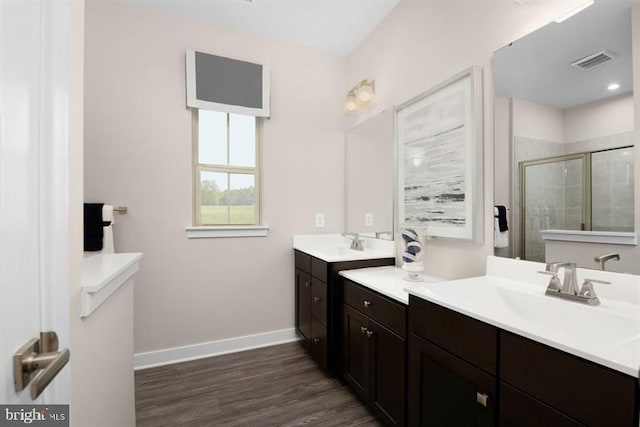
570 281
569 288
602 259
356 241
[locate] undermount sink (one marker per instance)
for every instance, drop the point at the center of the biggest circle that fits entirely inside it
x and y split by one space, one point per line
595 324
333 248
346 250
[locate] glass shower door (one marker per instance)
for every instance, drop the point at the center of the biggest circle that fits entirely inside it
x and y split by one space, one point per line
553 197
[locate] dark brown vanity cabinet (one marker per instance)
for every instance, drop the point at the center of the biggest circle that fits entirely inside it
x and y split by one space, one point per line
374 349
464 372
318 306
557 388
451 368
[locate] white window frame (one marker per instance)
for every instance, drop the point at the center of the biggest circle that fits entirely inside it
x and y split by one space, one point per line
199 230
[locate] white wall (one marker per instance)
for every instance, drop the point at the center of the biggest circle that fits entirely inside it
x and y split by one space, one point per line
537 121
584 253
502 164
609 116
421 44
138 154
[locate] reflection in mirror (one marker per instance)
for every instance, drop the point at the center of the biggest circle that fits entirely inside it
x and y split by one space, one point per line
564 131
369 177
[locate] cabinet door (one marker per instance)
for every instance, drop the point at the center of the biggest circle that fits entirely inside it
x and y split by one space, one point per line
303 303
355 363
446 391
387 387
318 342
520 410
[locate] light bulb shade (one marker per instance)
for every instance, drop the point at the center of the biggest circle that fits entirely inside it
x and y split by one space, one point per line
365 93
358 97
350 105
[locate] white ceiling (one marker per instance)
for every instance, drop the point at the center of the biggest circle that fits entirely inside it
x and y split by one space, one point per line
537 68
335 26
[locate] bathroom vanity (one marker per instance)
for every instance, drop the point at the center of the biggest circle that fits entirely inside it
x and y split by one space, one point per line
375 339
493 350
489 374
374 349
319 294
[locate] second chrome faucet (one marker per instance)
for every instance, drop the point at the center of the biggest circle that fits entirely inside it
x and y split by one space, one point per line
356 241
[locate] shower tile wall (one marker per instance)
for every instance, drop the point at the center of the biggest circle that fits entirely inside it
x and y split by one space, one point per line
612 188
612 181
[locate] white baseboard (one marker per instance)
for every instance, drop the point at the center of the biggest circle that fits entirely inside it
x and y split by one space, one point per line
185 353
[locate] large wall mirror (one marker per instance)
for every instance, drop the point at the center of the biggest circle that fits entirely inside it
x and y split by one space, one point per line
564 156
369 176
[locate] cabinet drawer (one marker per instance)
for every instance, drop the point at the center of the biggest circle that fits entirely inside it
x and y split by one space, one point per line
303 261
390 314
474 341
319 269
319 300
592 394
520 410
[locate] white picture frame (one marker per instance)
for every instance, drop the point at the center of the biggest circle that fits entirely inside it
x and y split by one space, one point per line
439 160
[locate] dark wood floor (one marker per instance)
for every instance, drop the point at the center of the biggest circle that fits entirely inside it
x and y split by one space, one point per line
272 386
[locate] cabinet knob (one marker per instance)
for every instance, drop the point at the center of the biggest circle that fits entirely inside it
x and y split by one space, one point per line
316 299
316 340
482 399
369 333
363 329
366 303
306 284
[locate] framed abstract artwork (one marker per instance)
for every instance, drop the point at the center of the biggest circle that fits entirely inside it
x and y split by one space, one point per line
440 159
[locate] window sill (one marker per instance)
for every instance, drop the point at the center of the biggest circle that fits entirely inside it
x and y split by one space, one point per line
211 232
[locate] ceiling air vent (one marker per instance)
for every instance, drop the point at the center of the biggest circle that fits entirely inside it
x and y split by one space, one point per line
592 61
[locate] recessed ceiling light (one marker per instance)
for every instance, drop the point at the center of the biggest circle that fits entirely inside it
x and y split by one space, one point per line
613 86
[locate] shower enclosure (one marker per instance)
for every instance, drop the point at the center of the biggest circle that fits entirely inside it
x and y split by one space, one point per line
585 191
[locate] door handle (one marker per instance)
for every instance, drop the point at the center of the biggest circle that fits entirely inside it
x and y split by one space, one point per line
38 362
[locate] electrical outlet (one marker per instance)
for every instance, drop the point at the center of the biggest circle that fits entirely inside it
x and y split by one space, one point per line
368 219
319 220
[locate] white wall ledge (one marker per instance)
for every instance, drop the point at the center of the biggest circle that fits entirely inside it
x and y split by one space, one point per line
611 237
227 231
103 275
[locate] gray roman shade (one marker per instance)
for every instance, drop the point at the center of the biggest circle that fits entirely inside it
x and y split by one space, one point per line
225 84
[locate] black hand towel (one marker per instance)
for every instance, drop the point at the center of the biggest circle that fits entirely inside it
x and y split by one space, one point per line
93 223
502 218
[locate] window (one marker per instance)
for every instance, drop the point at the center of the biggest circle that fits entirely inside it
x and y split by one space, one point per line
226 178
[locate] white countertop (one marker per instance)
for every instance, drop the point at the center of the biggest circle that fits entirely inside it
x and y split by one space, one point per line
335 248
102 275
388 281
511 297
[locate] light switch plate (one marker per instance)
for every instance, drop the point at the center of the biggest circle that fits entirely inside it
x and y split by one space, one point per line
319 220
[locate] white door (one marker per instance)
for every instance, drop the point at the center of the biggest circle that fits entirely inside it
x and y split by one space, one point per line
34 291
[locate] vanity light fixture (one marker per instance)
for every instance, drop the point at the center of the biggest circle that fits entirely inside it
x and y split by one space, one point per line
574 11
613 86
359 96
